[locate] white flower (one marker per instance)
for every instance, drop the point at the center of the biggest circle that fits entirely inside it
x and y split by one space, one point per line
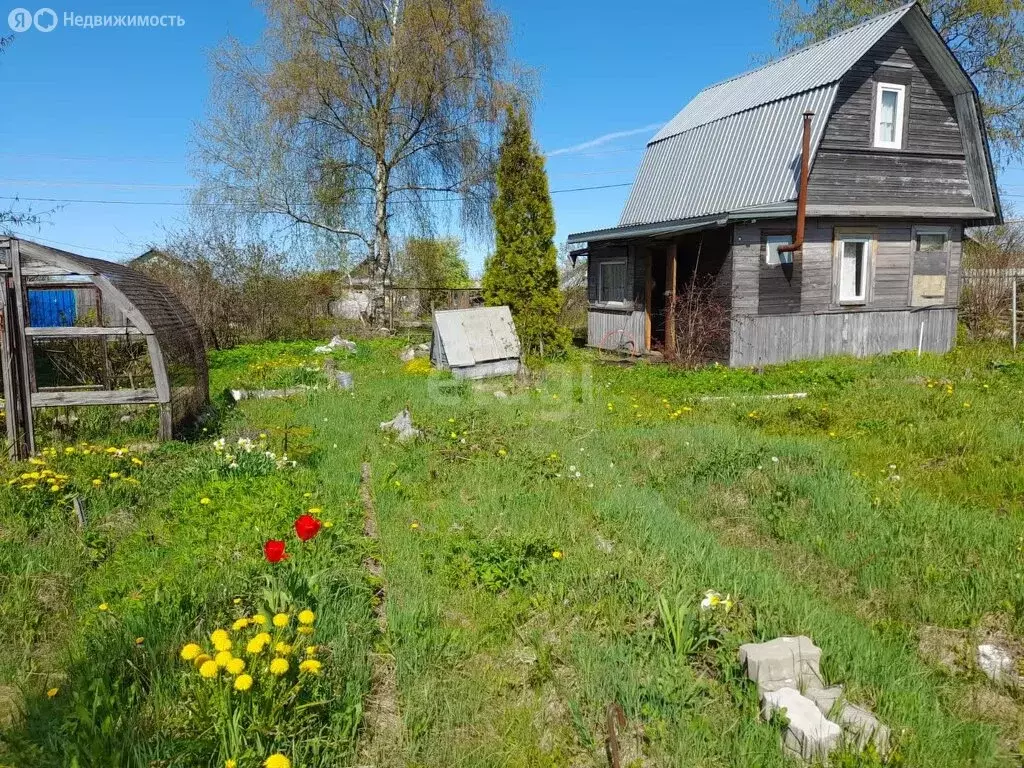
775 459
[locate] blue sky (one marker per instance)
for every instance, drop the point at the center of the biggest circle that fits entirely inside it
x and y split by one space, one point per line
108 114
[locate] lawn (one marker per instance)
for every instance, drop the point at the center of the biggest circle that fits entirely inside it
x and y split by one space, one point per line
541 554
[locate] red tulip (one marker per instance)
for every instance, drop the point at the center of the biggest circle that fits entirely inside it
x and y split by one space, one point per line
306 527
273 550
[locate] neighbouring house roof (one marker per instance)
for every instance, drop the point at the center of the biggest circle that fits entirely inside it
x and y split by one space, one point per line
734 150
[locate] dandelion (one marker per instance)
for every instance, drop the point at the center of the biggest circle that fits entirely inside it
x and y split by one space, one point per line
502 452
223 658
230 763
103 607
237 601
279 666
137 461
255 646
140 640
307 617
311 650
310 666
305 630
241 623
283 648
52 692
205 500
209 669
277 760
328 524
219 636
314 510
557 554
114 475
97 482
235 666
201 659
259 619
243 682
281 620
414 525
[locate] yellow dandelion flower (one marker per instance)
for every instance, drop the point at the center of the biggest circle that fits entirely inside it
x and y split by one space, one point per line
259 619
201 659
328 524
222 658
311 650
307 617
219 635
277 760
557 554
315 511
104 607
235 666
114 475
209 669
240 624
204 500
52 692
255 646
305 630
414 526
97 482
140 640
279 666
283 648
243 682
136 461
237 601
310 666
230 763
281 620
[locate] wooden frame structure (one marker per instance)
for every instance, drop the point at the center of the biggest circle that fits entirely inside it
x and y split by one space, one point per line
130 306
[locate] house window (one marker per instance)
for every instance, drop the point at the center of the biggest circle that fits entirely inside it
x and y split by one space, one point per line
932 242
611 281
772 257
854 264
889 109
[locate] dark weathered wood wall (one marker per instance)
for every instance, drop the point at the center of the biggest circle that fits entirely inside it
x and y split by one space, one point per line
931 167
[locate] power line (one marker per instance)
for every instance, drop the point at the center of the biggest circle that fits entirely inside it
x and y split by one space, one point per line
74 245
69 201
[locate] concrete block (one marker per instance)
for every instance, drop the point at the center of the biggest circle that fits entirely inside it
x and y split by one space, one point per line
809 733
997 664
862 727
825 698
402 424
786 662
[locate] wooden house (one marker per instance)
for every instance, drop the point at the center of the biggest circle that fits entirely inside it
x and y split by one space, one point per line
823 198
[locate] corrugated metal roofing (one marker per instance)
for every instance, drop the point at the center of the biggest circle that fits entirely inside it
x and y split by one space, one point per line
741 161
473 336
803 70
737 144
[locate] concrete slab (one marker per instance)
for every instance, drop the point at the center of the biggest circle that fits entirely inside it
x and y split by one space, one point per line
786 662
809 733
861 727
825 698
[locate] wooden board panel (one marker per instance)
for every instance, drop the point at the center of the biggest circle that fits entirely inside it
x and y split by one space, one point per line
616 330
102 397
763 340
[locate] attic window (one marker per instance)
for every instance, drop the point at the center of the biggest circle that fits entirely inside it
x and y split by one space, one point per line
890 104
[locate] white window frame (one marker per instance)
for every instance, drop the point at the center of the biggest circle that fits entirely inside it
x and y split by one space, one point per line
901 103
772 257
600 281
867 273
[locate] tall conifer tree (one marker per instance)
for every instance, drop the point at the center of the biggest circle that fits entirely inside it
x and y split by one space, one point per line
523 272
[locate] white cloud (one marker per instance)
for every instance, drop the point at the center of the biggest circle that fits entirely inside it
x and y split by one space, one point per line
606 138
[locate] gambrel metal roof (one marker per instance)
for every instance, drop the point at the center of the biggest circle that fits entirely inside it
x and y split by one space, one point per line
736 146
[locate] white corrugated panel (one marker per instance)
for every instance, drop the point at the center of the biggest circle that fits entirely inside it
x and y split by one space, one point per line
479 335
744 160
803 70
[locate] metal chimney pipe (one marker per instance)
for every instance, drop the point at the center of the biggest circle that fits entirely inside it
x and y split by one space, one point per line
801 205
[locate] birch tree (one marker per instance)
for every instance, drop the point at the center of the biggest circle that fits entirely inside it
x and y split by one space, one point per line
356 118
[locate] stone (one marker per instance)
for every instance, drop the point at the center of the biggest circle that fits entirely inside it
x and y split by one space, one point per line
809 733
402 424
996 663
335 343
407 355
825 698
786 662
862 727
604 545
501 395
344 379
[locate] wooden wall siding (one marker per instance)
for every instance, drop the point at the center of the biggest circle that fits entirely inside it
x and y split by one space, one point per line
930 170
764 340
890 288
614 330
636 267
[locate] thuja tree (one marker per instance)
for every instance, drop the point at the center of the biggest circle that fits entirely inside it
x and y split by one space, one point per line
523 272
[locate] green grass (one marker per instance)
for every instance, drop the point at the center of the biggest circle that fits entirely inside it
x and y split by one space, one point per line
881 515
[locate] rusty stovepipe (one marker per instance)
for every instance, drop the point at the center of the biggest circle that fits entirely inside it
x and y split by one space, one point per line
801 205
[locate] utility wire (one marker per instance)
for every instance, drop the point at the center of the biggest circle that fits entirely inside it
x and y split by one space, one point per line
67 200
